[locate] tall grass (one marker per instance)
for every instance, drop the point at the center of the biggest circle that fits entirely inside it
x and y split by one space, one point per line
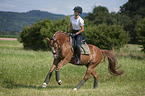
23 71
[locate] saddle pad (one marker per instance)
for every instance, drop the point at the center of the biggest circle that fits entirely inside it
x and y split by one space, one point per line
84 48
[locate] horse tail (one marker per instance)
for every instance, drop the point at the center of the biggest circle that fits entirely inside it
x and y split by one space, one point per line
112 62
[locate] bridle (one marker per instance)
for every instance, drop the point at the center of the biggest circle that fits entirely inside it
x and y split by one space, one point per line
59 46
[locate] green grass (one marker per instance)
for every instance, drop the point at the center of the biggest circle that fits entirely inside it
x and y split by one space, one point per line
23 71
10 44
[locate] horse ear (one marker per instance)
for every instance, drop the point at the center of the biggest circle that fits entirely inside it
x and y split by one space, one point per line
48 39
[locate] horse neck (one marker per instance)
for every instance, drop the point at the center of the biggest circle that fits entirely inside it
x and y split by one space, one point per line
62 39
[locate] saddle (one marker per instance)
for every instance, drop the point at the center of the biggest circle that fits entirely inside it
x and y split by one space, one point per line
84 48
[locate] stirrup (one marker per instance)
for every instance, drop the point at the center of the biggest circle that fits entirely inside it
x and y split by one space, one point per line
78 61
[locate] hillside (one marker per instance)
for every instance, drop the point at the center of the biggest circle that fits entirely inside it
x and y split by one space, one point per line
11 23
14 22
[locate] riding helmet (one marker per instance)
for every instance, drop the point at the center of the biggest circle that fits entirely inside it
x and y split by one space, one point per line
78 9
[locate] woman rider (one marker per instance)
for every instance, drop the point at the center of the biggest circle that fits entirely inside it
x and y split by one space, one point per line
77 26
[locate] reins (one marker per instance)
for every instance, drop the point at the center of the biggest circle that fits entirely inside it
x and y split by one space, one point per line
60 48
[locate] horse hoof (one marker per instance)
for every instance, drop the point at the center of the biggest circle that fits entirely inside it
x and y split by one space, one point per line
44 85
59 82
75 89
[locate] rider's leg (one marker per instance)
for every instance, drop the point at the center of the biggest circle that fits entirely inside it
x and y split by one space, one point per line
74 48
78 48
78 61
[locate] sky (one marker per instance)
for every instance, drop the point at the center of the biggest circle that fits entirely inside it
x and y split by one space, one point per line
64 7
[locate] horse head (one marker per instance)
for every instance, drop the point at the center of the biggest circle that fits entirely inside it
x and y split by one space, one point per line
56 41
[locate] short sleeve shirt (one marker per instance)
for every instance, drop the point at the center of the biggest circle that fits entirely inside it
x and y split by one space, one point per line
76 23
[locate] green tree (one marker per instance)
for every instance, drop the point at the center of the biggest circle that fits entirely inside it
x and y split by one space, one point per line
133 7
100 15
106 37
136 11
61 24
141 33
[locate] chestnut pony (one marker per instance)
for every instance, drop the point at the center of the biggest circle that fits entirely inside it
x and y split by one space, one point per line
62 54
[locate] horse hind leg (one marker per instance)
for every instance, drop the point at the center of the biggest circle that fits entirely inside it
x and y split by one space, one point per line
95 75
89 71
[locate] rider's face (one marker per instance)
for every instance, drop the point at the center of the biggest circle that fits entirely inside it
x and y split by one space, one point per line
76 13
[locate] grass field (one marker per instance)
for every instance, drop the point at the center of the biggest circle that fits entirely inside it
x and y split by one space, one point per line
23 71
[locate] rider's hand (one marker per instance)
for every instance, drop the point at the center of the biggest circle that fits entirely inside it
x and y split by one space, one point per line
73 34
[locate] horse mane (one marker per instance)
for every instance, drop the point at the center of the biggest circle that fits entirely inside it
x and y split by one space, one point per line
58 32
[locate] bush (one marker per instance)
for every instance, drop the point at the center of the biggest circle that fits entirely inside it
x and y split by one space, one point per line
106 36
34 36
141 33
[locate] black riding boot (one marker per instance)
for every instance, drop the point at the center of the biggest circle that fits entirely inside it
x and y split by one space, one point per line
73 57
78 61
74 49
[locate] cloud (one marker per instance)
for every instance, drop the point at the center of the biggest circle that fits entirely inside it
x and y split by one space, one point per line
6 6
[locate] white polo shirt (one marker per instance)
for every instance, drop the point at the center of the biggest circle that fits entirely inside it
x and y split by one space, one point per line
76 23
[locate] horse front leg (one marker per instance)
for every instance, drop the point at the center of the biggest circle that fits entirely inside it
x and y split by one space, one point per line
57 73
61 64
47 79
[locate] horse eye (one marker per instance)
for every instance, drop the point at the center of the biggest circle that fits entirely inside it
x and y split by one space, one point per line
55 46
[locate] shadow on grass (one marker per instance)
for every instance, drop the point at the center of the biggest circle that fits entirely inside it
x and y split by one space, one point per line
40 87
11 85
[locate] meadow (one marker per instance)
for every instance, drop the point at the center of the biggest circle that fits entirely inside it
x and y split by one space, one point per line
23 71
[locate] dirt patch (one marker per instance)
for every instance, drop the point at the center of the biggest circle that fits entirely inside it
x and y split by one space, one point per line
8 38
